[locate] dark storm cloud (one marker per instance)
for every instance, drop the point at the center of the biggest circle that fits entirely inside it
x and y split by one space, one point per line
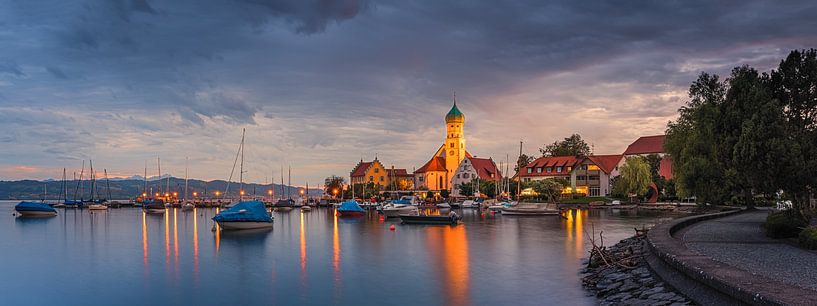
343 78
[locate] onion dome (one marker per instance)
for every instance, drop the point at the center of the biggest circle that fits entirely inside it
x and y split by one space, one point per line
454 115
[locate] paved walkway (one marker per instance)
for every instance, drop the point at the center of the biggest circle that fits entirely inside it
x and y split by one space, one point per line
739 241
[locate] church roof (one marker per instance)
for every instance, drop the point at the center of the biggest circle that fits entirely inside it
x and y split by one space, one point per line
435 164
454 115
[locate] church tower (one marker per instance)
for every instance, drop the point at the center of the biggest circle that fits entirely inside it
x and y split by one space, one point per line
454 141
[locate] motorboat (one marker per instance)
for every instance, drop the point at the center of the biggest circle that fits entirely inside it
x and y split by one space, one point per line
443 205
530 209
98 207
244 215
350 208
35 209
455 204
391 210
451 219
469 204
306 208
188 206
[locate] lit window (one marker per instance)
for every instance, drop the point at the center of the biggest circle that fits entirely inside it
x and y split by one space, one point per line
592 167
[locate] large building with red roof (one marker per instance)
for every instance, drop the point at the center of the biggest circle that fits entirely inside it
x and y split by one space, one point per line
472 168
386 178
590 175
648 145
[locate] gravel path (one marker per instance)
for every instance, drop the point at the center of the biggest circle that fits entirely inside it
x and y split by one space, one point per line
739 241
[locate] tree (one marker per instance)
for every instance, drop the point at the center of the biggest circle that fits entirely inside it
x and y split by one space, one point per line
466 189
570 146
635 177
332 183
794 85
522 161
444 193
549 190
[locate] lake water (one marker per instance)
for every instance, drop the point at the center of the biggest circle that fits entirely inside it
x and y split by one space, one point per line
123 257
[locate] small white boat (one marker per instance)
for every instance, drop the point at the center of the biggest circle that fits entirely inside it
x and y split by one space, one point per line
306 208
530 209
393 210
469 204
443 205
98 207
188 206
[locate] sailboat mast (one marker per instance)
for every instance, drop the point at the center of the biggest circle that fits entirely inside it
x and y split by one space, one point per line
185 179
79 183
64 186
145 190
159 185
93 179
107 183
282 182
241 169
289 182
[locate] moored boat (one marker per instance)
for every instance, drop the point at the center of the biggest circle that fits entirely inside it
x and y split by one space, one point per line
350 208
244 215
530 209
98 207
153 206
284 205
443 205
451 219
393 210
306 208
35 209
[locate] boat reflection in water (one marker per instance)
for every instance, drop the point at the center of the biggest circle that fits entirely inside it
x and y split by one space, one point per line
448 245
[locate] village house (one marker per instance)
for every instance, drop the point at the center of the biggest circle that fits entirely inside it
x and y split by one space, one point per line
471 168
385 178
590 175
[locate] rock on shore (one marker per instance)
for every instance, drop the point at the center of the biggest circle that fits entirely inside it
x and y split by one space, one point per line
628 281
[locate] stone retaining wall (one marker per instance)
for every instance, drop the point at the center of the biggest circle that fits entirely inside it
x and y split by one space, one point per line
733 282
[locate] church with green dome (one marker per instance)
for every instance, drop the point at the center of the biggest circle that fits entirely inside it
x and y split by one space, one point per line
438 172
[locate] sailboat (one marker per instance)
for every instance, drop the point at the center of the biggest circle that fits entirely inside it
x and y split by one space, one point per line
98 203
244 214
283 205
78 189
36 209
187 205
154 205
351 208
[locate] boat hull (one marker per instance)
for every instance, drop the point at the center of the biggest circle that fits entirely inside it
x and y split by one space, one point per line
283 209
33 213
397 212
97 207
154 211
441 220
243 225
351 213
506 212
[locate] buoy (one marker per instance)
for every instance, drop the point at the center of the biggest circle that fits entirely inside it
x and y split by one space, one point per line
392 227
493 213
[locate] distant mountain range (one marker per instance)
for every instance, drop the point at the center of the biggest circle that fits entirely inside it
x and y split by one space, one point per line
133 186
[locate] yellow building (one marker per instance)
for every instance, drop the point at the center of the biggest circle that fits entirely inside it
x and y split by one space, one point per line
386 178
438 172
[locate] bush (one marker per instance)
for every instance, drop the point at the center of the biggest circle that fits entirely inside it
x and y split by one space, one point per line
808 238
784 224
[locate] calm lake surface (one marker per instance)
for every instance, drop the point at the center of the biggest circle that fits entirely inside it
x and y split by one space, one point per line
123 257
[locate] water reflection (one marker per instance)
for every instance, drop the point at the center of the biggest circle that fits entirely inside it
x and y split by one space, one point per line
575 231
195 245
448 246
303 250
145 241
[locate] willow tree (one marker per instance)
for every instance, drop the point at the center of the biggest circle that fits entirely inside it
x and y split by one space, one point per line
635 177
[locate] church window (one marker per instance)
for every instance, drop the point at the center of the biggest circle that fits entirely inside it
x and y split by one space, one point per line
451 145
421 178
451 153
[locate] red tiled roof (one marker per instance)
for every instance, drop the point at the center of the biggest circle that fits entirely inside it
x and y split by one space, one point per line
360 169
665 167
435 164
485 167
607 163
646 145
397 172
550 161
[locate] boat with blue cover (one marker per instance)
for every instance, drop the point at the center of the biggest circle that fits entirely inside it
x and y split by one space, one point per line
350 208
38 209
244 215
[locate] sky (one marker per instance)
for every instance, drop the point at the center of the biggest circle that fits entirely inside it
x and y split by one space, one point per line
321 84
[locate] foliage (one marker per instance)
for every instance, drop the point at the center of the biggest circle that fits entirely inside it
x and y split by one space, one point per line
522 161
548 190
332 183
784 224
750 135
369 188
444 193
635 177
466 189
808 238
570 146
429 194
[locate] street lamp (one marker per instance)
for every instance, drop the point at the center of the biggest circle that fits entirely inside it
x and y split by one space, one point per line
195 194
